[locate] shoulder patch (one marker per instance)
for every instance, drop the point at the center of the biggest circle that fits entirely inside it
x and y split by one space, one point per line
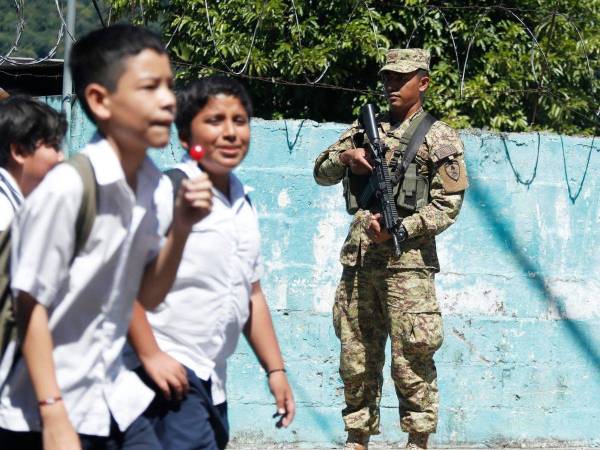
443 142
444 151
454 176
453 170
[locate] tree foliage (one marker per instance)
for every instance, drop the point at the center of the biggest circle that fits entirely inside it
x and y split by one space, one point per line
530 63
42 23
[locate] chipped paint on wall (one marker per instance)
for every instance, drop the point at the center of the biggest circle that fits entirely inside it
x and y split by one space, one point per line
283 199
326 256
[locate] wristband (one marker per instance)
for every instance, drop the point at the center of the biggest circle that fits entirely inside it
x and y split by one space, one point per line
50 401
269 372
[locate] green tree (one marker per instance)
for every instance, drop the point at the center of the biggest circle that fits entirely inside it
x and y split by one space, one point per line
41 25
528 64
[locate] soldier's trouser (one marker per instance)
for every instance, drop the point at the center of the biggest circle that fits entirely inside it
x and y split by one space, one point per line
370 305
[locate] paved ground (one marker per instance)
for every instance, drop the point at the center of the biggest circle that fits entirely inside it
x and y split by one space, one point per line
380 446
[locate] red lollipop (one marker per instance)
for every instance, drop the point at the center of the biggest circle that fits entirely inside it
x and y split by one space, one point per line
197 152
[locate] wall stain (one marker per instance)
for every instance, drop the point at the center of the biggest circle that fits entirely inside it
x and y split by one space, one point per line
470 346
512 166
291 145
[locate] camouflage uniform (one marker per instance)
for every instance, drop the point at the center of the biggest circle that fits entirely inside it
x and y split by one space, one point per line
381 295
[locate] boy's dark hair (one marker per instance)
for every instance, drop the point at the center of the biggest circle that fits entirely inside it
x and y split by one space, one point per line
192 98
100 56
25 121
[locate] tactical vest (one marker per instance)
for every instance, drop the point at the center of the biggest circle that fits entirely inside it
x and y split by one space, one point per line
410 195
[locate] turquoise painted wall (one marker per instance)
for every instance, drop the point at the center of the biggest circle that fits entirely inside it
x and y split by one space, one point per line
519 288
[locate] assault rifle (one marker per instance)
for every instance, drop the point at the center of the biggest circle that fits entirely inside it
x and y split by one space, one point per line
379 183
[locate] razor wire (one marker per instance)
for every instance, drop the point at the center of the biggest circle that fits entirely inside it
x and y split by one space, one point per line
441 9
212 36
8 59
437 8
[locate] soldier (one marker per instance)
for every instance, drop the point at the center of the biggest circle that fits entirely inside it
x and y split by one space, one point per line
380 294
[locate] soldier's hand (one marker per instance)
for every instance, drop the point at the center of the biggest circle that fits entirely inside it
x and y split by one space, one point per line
358 160
376 232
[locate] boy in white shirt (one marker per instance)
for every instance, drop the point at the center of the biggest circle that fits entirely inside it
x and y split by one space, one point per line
216 295
30 136
74 310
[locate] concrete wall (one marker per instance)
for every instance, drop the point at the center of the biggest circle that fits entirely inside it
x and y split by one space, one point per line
519 288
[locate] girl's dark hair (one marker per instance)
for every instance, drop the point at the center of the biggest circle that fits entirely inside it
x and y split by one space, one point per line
192 98
25 121
100 56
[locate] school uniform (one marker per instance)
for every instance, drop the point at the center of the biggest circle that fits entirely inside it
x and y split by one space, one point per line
10 198
202 317
89 301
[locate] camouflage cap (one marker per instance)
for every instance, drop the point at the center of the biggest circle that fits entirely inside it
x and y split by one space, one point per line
405 60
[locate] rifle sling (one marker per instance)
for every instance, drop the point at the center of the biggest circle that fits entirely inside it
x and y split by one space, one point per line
417 138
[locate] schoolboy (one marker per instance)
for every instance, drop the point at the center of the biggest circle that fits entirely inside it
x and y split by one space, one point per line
74 314
217 294
30 136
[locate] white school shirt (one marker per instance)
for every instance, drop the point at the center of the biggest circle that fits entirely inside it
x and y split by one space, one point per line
89 302
200 321
10 198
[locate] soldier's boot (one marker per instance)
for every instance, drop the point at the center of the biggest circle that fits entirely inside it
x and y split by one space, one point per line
417 441
357 441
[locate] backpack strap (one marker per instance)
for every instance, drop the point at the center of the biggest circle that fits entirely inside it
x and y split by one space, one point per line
89 202
11 196
83 226
5 250
176 176
417 138
8 324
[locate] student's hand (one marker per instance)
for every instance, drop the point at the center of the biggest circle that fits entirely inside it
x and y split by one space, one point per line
193 202
376 232
57 431
358 160
284 399
168 374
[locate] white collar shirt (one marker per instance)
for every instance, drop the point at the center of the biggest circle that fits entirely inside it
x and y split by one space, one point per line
10 198
200 321
89 301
